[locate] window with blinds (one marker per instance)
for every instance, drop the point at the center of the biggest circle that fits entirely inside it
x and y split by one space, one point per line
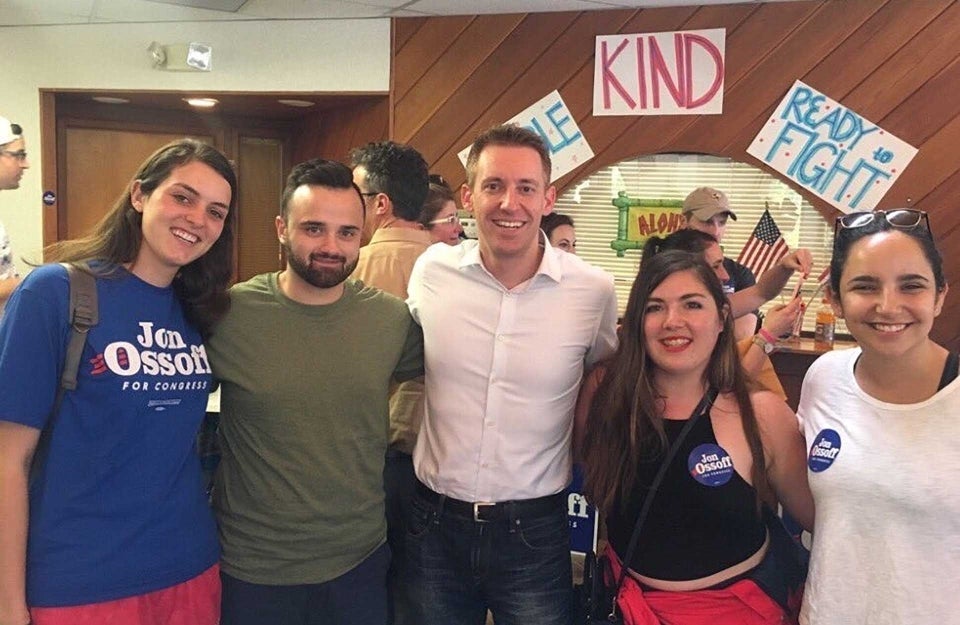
672 177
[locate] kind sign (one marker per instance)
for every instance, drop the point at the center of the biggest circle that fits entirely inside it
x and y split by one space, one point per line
672 73
831 150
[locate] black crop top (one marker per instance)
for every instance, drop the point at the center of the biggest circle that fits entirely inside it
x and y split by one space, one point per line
704 518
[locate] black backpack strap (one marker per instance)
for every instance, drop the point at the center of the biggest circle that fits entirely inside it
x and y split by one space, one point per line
83 313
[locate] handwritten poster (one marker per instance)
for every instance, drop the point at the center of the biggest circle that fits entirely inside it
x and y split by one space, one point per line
831 150
550 118
671 73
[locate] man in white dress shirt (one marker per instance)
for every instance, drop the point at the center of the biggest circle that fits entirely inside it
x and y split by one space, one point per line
509 325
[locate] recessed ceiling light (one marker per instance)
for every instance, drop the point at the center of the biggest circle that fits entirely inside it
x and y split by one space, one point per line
203 103
109 99
297 103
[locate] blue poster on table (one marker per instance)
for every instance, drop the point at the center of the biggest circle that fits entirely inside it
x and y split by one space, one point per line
581 516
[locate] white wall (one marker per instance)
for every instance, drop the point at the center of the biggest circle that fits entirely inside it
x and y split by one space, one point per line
296 55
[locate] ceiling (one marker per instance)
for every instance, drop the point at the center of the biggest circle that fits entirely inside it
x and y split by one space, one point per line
54 12
65 12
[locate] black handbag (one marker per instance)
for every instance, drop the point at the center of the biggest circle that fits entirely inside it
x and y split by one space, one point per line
783 571
597 596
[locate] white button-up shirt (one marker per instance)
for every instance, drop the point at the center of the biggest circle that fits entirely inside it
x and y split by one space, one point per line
503 369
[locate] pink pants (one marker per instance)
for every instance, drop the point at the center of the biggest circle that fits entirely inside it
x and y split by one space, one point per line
194 602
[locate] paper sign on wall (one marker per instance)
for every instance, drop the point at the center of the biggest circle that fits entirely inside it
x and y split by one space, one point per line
672 73
550 118
831 150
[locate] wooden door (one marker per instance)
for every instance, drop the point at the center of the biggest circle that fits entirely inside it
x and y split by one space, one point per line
98 164
260 171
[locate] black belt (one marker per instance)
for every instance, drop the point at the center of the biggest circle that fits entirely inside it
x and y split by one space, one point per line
484 511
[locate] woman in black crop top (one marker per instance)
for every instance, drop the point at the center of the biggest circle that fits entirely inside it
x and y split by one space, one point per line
704 534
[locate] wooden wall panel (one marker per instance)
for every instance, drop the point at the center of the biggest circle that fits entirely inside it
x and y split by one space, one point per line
897 62
334 132
452 43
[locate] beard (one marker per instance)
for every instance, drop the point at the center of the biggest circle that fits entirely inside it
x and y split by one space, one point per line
322 278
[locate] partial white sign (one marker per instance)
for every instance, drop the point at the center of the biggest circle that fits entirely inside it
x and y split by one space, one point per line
550 118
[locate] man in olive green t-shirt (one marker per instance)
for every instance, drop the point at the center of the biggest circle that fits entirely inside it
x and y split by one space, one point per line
305 358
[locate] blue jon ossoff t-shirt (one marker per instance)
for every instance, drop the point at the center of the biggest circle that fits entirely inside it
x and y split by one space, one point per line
118 509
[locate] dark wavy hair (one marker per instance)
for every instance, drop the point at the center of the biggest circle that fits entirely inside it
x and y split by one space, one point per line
552 221
846 237
508 135
685 240
625 424
396 170
201 285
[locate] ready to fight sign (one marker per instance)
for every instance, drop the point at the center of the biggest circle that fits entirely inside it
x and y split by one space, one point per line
830 150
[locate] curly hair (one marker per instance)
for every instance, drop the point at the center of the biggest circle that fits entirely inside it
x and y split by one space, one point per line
396 170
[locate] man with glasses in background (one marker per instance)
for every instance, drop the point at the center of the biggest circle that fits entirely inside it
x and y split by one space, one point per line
13 161
393 180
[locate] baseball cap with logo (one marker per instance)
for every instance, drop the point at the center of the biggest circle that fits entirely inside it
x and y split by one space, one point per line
9 131
705 202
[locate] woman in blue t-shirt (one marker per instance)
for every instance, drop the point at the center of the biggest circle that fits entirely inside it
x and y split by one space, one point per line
111 523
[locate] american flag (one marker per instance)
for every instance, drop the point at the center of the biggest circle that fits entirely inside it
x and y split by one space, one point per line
764 247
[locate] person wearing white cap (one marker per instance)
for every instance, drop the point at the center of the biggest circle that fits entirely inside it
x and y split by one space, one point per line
708 210
13 161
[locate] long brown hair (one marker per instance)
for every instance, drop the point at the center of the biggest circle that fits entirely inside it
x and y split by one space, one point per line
625 423
116 239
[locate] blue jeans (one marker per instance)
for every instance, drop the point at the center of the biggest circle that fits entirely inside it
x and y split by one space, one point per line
517 567
358 597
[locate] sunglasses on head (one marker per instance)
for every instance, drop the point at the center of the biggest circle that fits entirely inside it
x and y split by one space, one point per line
900 218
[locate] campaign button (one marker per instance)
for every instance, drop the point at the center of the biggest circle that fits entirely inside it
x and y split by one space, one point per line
824 451
710 465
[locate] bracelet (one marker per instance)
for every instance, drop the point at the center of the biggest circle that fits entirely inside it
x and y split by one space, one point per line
769 338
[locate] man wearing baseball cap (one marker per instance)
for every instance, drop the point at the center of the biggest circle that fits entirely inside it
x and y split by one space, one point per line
13 161
708 209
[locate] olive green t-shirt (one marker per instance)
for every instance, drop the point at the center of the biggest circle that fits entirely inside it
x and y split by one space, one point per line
303 428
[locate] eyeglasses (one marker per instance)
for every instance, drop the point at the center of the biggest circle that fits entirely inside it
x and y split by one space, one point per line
450 219
20 155
900 218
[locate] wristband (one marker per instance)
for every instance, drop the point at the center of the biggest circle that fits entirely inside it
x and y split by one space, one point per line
763 344
769 338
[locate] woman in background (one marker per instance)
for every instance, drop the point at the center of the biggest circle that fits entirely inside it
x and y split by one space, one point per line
882 423
705 540
439 215
112 523
560 232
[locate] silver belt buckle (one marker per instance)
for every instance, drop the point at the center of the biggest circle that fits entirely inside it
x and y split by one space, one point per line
476 510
